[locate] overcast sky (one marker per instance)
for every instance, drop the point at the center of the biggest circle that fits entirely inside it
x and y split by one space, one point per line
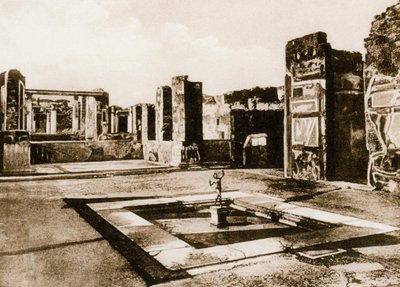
129 48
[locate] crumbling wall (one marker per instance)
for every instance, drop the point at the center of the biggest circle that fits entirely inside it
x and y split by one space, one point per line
187 110
383 44
216 118
324 132
382 100
305 98
81 151
242 97
14 151
158 151
178 108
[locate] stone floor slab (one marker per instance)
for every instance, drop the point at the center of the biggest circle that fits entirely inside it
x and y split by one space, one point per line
131 203
324 236
381 228
258 247
152 238
124 217
184 258
328 217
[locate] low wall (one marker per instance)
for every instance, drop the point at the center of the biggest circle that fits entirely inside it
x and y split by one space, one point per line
171 152
80 151
158 151
216 151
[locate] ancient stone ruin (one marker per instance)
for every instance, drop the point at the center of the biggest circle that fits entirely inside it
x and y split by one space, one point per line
382 100
336 117
324 127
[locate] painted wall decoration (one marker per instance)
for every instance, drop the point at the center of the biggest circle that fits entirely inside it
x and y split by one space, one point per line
382 100
323 115
306 165
383 127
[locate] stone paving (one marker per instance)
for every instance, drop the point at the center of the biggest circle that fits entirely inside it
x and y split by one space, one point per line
176 254
43 242
88 170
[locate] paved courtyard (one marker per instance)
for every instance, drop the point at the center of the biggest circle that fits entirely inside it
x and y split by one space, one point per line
44 242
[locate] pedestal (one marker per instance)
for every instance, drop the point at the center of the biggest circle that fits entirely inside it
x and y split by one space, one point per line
15 152
218 215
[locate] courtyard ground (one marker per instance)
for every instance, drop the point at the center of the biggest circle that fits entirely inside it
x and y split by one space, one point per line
44 242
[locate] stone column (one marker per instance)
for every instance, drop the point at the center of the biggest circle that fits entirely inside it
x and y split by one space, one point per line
29 113
187 110
53 120
116 128
112 119
178 108
130 120
48 121
91 119
134 118
145 123
3 105
159 114
75 114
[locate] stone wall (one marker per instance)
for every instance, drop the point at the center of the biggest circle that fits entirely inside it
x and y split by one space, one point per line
14 152
216 151
168 152
80 151
216 110
245 123
347 154
324 132
383 44
187 110
382 82
163 110
305 97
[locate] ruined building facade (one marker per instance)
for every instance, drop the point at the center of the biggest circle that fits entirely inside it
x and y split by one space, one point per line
382 100
178 123
13 111
324 124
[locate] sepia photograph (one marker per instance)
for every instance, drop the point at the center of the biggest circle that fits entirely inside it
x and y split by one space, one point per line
175 143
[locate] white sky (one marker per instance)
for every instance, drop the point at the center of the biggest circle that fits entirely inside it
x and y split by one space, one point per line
129 47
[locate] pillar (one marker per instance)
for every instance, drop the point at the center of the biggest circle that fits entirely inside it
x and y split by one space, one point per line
130 120
187 110
112 119
306 92
91 118
75 114
29 114
159 114
48 120
163 114
3 105
53 121
14 152
145 123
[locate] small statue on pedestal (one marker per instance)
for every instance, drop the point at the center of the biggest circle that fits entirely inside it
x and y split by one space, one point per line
218 186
